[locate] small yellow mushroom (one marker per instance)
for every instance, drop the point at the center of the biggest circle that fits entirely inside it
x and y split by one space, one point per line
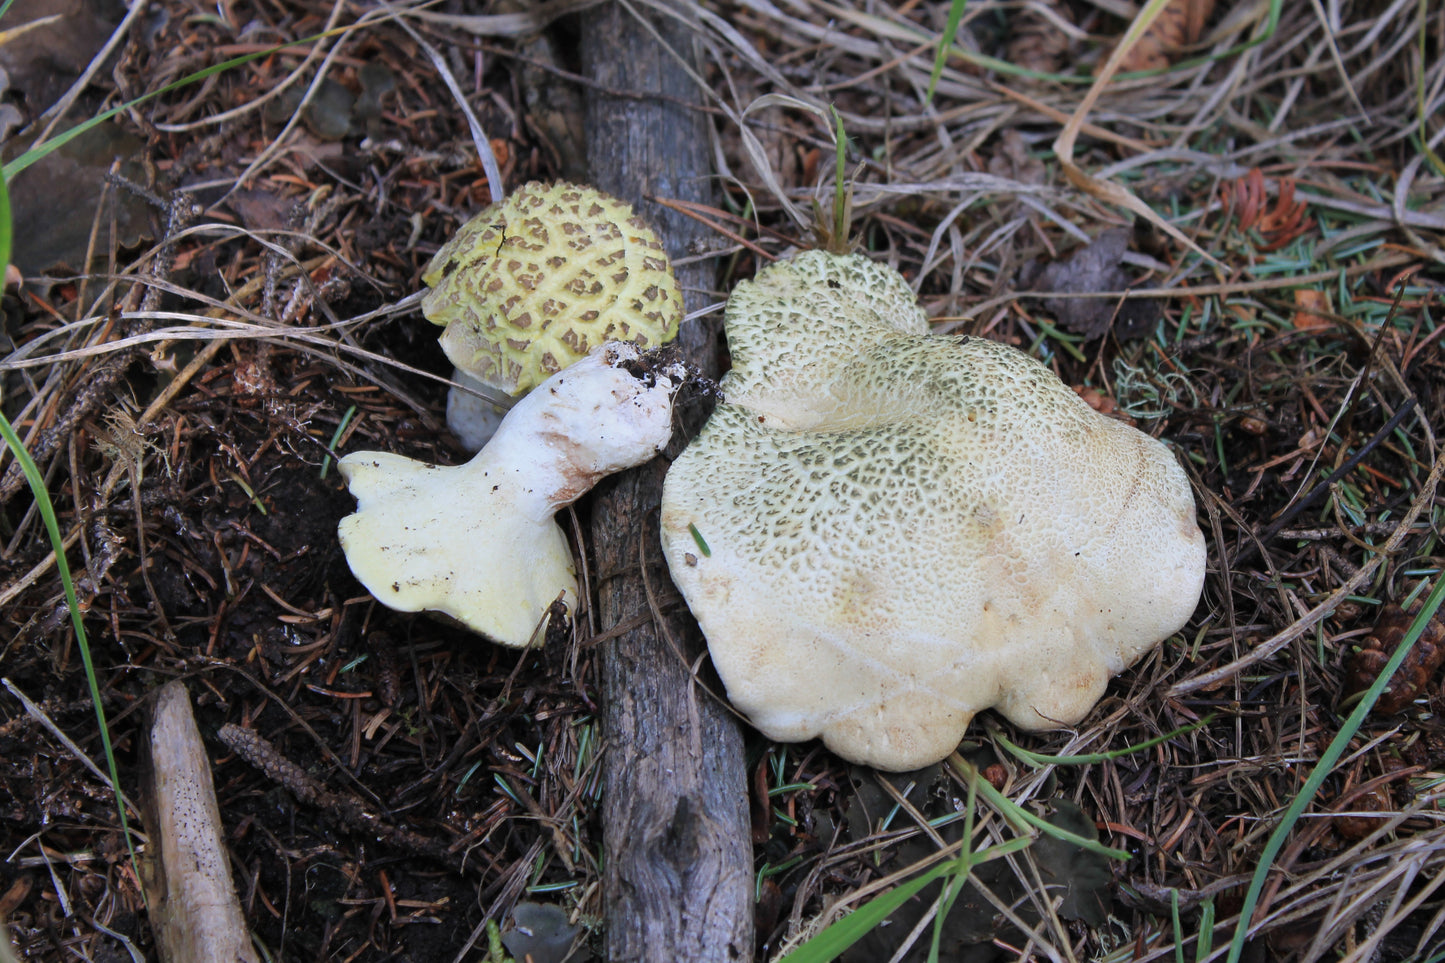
535 282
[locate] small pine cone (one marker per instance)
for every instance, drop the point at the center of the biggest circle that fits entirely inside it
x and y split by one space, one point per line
251 746
1415 672
388 671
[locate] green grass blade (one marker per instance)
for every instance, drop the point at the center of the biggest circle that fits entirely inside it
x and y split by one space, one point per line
838 244
1322 768
1039 759
1017 814
1178 926
62 566
955 17
5 226
336 439
953 887
828 944
1206 931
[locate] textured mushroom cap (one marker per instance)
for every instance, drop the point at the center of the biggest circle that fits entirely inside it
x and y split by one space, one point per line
478 542
534 283
902 530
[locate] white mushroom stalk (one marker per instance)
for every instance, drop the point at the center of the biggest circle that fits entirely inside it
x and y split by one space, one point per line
478 542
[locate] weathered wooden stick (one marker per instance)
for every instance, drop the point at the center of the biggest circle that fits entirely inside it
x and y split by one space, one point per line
678 857
194 910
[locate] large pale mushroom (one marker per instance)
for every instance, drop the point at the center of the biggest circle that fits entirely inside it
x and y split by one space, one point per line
883 533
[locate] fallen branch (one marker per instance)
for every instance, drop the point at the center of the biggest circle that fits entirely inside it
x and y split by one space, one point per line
676 836
193 906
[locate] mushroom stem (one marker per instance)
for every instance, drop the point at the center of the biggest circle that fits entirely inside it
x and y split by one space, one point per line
471 414
582 424
477 542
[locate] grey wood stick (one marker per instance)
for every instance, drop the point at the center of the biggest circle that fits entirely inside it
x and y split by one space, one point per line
678 855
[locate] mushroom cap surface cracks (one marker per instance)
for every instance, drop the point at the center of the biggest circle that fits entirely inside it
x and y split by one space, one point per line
534 283
903 530
830 308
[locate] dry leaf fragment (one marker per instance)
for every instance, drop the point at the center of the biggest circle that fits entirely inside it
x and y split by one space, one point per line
1102 403
1311 307
1253 424
1179 25
761 808
1286 220
1414 673
1012 159
1096 267
1035 41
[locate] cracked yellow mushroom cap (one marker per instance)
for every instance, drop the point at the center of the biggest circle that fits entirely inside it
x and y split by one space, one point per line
535 282
883 532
